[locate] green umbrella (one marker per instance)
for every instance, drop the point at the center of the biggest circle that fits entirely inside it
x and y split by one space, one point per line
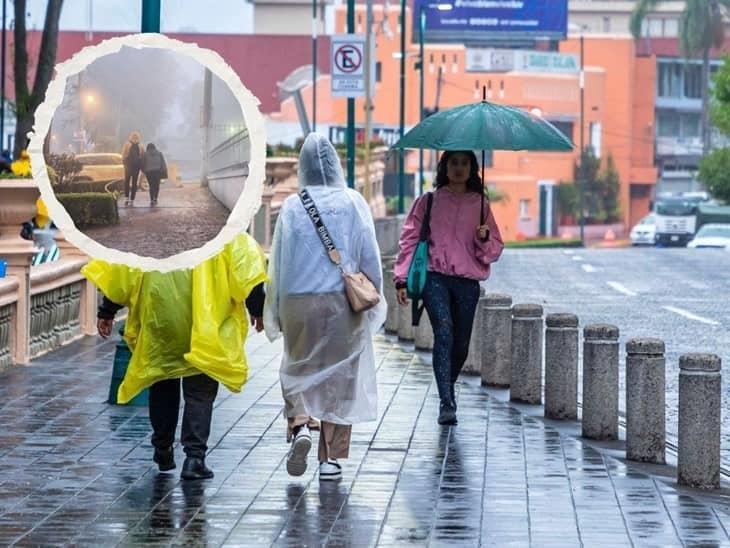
485 126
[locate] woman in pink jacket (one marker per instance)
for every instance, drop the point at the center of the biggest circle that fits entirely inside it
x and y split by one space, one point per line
461 250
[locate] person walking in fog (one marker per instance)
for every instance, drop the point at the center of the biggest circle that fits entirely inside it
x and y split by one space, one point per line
328 367
132 157
155 169
462 246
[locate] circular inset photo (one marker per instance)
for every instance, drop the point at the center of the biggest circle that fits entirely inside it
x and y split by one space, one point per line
152 153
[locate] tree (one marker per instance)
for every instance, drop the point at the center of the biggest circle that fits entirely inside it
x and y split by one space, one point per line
714 173
65 168
27 99
720 109
600 191
701 28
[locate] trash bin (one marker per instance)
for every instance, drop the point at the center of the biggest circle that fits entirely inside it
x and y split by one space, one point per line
121 361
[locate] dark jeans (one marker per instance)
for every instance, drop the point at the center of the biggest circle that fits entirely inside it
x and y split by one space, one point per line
130 180
451 303
153 178
199 392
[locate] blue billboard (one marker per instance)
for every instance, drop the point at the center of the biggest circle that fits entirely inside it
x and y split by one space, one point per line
491 21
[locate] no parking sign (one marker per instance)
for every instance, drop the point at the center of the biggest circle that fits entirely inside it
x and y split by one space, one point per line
348 65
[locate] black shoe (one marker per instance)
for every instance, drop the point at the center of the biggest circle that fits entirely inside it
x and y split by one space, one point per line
165 459
447 415
452 393
195 469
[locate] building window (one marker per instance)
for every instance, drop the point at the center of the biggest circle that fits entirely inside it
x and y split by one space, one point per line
606 24
566 128
667 124
671 28
655 28
378 71
595 138
669 80
524 209
693 81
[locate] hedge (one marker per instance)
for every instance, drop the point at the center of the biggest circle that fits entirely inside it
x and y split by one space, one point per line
90 208
544 243
117 185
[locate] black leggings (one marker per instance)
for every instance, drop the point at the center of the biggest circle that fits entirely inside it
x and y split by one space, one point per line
153 178
451 303
130 180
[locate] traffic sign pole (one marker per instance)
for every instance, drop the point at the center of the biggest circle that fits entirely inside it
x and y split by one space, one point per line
351 108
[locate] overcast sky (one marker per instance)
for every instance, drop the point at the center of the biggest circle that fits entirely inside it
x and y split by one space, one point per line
228 17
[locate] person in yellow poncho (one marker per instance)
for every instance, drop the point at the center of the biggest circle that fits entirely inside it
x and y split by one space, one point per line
187 324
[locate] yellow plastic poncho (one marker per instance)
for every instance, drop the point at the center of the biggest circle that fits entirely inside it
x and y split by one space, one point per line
185 322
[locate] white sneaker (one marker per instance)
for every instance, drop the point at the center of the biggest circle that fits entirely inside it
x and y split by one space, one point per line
296 460
330 470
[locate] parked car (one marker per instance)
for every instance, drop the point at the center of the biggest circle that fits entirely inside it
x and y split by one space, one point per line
715 235
100 166
644 233
105 166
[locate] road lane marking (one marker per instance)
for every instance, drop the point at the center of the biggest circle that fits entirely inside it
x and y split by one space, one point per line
577 258
588 267
690 316
622 289
568 251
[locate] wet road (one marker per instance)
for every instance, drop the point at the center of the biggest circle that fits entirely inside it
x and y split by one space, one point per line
678 295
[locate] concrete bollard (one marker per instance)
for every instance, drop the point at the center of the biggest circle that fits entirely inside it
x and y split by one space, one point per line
496 337
645 388
473 363
600 382
698 462
391 320
423 336
405 316
561 366
526 370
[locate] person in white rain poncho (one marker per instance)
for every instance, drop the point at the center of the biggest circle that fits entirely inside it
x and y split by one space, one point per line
328 368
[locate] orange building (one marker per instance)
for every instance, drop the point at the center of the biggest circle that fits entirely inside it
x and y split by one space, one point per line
618 113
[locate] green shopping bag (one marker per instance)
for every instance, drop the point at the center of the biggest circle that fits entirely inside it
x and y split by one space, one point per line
418 271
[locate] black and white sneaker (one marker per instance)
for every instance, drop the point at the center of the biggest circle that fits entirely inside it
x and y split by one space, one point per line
296 460
330 470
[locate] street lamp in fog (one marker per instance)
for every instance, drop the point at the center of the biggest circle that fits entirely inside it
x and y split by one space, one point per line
581 82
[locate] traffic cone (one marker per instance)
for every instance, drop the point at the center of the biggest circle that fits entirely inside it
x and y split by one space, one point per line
609 236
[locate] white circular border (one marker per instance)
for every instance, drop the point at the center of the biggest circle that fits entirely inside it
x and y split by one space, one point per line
249 201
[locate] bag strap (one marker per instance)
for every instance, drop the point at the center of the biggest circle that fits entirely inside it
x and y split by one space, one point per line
426 223
324 235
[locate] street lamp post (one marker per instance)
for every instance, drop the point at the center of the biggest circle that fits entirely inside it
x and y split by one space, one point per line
314 65
581 184
421 33
401 153
151 15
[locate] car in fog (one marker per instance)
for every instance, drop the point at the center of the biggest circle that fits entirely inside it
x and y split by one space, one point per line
644 233
713 235
100 166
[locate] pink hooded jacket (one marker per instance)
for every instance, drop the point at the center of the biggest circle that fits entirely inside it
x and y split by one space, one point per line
454 249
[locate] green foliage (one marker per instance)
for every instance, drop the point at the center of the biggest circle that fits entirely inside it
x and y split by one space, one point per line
600 191
107 185
66 167
714 173
14 176
544 243
720 108
90 208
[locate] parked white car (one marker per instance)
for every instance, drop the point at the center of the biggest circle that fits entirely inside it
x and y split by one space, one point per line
715 235
644 233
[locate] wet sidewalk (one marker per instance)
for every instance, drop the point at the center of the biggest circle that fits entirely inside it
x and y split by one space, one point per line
78 471
186 217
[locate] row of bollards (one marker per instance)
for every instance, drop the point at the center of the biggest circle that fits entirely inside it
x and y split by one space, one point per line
699 385
511 343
